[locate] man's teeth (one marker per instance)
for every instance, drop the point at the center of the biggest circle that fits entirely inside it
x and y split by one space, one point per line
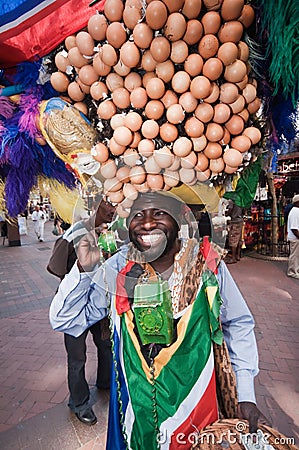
151 238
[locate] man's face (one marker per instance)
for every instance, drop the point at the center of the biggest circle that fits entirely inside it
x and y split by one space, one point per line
153 231
105 212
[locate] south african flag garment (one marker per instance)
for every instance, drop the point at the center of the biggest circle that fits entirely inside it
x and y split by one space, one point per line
165 412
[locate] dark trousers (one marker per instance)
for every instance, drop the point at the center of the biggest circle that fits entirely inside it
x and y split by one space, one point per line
76 359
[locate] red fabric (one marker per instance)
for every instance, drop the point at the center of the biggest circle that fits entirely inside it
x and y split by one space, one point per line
210 255
44 31
121 300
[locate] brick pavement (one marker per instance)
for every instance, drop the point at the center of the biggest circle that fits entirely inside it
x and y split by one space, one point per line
33 389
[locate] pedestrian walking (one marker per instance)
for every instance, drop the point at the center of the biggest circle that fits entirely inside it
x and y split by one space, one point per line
293 238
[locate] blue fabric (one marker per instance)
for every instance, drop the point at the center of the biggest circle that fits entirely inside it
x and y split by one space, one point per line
13 9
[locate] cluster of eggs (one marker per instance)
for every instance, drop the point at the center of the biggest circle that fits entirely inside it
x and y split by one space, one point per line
172 79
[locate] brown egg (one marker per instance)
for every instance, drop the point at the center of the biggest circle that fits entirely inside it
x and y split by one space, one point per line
136 139
99 66
59 81
121 69
113 10
62 61
254 106
169 98
175 114
244 114
165 70
151 165
193 64
121 98
168 132
208 46
243 49
188 102
202 162
75 92
154 109
176 163
235 72
97 26
226 137
216 165
70 42
100 152
194 32
138 97
242 84
235 125
84 87
232 157
174 5
148 63
175 27
189 161
130 191
191 8
231 9
132 81
199 143
171 177
212 68
131 16
85 43
76 58
155 88
211 22
143 35
247 16
213 150
123 174
156 15
214 95
238 105
146 147
253 133
131 157
203 176
187 176
228 93
133 121
229 169
116 34
194 127
180 82
163 157
182 146
116 197
179 52
112 185
204 112
122 135
228 53
150 129
108 55
118 120
230 31
137 175
98 90
115 148
222 113
160 48
155 182
108 169
106 109
214 132
114 81
212 5
129 54
241 143
81 106
143 187
200 87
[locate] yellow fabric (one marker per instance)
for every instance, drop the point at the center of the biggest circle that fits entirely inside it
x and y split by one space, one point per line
200 193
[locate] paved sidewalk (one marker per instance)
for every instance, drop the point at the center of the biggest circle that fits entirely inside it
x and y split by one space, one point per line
33 388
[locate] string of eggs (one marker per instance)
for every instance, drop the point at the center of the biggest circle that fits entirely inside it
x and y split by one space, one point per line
172 80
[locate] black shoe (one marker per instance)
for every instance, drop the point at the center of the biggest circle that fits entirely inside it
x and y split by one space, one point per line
87 416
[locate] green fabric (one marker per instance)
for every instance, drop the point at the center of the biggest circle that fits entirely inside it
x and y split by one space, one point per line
246 187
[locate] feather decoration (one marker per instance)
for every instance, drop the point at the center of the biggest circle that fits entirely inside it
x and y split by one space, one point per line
66 202
29 105
27 74
280 22
7 107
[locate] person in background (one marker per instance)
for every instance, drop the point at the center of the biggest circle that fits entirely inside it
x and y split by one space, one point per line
62 260
293 238
235 231
163 381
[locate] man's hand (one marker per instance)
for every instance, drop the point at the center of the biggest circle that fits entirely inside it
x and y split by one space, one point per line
88 252
250 412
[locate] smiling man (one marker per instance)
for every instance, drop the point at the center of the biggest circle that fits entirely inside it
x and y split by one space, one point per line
166 294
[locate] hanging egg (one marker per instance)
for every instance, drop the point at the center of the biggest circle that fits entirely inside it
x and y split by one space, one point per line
100 152
59 81
244 114
151 165
75 92
118 120
138 97
254 106
202 162
154 109
212 69
173 5
76 58
191 8
143 35
81 106
200 87
243 51
130 191
231 9
62 61
108 55
131 157
213 150
146 147
155 88
182 146
211 22
113 10
228 53
137 175
188 102
97 26
85 43
108 169
247 16
231 31
116 197
133 121
180 82
114 81
106 109
179 52
98 90
165 70
253 133
146 77
160 48
199 143
241 143
222 113
123 174
214 132
214 95
121 69
169 98
132 81
115 148
232 157
175 27
136 139
116 34
155 182
228 93
193 64
208 46
129 54
171 177
70 41
189 161
156 15
131 16
235 125
121 98
112 185
194 127
235 72
238 105
204 112
122 135
229 169
101 69
150 129
203 176
163 157
148 63
216 165
88 75
194 32
187 176
175 114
